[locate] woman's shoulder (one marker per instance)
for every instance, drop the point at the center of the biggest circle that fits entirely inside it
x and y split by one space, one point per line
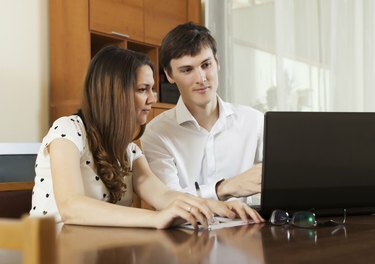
67 127
134 151
67 121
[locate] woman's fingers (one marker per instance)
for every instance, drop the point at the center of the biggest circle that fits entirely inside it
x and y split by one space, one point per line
239 209
254 214
183 212
196 210
244 212
222 209
199 208
193 212
202 219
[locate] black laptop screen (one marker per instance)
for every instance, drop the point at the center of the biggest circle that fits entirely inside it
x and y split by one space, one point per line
318 160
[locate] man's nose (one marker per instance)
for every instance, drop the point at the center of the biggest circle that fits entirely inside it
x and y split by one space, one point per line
202 76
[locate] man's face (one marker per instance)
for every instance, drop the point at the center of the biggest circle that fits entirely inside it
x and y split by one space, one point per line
196 78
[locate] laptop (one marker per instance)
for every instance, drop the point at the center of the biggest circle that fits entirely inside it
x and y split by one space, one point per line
319 161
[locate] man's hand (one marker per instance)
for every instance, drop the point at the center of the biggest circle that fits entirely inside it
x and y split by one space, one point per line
243 185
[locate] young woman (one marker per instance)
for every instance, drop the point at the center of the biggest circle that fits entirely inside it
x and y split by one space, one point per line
88 167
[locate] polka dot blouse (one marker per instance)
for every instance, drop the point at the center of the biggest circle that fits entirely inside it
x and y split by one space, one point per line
73 129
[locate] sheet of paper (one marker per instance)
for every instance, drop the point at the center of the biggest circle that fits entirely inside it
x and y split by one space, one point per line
221 222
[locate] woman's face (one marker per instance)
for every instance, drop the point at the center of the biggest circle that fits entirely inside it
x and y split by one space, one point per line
143 96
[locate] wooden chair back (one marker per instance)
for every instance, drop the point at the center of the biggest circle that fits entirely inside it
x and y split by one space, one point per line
34 237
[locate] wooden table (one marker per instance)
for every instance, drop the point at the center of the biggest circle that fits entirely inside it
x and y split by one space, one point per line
352 243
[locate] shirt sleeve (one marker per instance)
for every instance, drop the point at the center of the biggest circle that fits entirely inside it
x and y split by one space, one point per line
68 128
208 191
134 152
161 162
259 147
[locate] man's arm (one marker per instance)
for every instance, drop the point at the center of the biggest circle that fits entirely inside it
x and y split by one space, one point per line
249 182
243 185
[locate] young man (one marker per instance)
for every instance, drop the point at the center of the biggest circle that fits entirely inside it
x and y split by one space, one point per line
203 139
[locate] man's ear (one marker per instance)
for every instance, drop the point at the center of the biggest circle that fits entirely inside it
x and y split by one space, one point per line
218 63
170 79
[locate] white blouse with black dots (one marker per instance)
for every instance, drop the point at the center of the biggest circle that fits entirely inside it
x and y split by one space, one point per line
73 129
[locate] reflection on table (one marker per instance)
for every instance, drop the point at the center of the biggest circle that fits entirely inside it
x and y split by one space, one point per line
79 244
354 242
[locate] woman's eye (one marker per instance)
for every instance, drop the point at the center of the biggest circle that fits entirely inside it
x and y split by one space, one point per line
142 90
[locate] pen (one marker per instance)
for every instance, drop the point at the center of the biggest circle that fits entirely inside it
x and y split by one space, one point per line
198 190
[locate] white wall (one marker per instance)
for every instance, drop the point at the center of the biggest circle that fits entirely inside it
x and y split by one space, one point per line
24 70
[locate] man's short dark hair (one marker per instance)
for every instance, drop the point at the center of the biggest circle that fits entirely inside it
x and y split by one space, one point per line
185 39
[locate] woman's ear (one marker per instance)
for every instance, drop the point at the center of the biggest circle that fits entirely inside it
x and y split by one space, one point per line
170 79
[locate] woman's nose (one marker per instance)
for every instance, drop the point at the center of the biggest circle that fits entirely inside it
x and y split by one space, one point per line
152 97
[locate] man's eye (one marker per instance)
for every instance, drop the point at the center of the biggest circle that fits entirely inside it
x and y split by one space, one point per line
206 65
186 70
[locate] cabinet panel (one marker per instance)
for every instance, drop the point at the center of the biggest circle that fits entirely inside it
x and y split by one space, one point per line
161 16
158 111
99 41
159 108
69 43
125 17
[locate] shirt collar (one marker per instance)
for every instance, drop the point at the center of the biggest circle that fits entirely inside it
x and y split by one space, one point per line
183 114
224 109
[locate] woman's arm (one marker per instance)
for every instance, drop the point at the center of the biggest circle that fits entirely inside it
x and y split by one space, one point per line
78 209
74 206
149 187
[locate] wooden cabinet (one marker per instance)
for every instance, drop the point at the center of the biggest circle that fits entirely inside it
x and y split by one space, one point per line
100 40
146 20
79 29
161 16
158 108
118 17
69 55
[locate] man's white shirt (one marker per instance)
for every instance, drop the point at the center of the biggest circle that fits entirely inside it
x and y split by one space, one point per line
181 152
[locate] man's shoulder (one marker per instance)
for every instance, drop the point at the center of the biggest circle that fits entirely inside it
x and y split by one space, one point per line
166 118
243 110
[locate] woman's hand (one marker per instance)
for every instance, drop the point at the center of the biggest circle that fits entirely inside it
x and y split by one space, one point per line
186 208
233 209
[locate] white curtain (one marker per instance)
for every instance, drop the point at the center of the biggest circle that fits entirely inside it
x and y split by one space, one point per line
305 55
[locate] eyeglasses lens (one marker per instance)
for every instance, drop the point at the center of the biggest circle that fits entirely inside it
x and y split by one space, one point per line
304 219
279 217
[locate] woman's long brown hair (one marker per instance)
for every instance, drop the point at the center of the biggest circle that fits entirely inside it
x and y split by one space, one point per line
109 113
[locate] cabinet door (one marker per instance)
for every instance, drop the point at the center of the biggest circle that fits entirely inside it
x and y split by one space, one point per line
161 16
69 55
124 17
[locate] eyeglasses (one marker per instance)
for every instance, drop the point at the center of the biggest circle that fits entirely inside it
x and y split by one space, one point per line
302 219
